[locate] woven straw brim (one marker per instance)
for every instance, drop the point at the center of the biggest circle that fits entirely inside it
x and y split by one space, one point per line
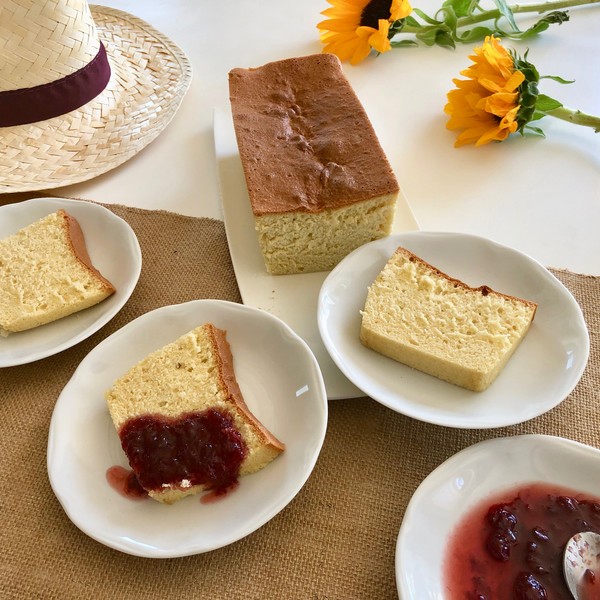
150 76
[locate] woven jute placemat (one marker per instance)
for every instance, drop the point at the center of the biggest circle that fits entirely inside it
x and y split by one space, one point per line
335 540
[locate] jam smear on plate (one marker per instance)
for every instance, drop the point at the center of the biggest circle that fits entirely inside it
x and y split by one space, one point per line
511 547
125 482
198 448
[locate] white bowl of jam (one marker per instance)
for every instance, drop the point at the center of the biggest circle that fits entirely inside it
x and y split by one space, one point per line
492 521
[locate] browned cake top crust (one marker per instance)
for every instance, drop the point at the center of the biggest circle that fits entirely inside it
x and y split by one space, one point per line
305 140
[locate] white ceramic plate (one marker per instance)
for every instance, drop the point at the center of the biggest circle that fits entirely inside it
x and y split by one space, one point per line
292 298
282 385
114 250
542 372
468 478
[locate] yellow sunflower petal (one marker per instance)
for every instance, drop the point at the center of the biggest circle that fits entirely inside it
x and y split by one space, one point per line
470 136
362 49
484 106
499 104
336 13
354 5
501 131
399 10
495 134
342 33
471 121
514 81
338 38
344 45
337 25
345 51
378 39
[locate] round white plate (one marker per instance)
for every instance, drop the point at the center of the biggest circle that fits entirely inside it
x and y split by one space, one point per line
543 371
470 477
114 250
282 385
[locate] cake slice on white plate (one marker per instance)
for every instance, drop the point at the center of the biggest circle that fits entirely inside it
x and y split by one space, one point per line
422 317
46 274
183 421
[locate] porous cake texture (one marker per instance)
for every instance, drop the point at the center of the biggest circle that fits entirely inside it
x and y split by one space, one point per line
419 316
319 182
46 274
190 376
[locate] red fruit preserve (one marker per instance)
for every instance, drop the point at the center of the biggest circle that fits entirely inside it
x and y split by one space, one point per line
200 448
511 547
125 482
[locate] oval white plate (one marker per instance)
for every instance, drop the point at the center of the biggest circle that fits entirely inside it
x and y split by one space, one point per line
114 250
543 371
282 385
468 478
292 298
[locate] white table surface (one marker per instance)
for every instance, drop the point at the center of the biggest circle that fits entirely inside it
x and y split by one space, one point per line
541 196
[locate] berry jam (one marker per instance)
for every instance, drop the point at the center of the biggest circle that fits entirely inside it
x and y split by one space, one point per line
126 483
200 448
511 547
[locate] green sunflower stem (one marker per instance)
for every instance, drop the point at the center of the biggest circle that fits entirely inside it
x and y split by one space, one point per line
576 117
541 7
494 14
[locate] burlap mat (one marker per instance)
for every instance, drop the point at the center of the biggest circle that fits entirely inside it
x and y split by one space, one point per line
335 540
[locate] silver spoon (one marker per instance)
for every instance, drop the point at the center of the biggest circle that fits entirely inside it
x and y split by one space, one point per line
581 564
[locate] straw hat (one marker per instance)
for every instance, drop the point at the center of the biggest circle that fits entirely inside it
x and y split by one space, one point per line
82 89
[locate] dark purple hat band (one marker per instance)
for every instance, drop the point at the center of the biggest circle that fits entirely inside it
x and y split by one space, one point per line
42 102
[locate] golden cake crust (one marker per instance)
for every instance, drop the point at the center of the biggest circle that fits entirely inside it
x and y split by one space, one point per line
305 140
78 245
222 350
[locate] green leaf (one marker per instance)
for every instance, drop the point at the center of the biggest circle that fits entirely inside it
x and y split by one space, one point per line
436 36
537 116
557 79
528 90
535 130
445 39
474 35
461 8
450 18
545 103
395 28
535 29
411 22
401 43
426 18
427 35
474 5
556 17
527 68
507 13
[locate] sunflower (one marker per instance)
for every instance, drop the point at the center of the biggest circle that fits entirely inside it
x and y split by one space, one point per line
355 27
500 96
486 105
